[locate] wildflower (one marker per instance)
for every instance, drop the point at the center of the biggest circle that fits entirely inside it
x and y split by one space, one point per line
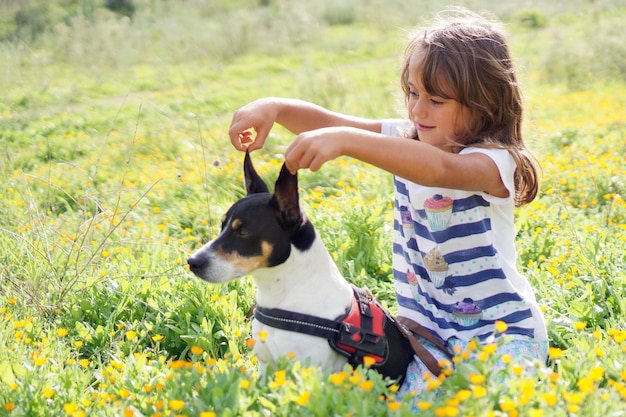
303 398
554 353
423 405
367 385
12 300
476 379
244 384
586 386
479 391
500 326
432 385
580 325
550 398
61 332
157 338
128 412
9 406
393 405
131 334
48 393
250 343
507 405
338 378
176 405
196 350
70 408
207 414
369 361
596 373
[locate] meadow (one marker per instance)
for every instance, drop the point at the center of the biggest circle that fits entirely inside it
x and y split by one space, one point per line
116 165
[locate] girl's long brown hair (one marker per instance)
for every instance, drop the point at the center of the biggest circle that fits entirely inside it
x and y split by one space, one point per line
465 56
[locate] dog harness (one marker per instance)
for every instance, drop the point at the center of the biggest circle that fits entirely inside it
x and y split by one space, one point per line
366 329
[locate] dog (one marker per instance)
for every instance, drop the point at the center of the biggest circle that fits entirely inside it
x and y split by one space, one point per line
304 305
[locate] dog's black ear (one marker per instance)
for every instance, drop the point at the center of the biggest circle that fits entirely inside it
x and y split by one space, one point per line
254 183
286 198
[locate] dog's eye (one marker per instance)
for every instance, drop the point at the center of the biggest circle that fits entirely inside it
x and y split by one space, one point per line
242 231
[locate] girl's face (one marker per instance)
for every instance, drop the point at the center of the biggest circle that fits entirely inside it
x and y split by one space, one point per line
438 120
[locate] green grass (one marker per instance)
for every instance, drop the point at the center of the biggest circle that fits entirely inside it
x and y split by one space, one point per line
117 165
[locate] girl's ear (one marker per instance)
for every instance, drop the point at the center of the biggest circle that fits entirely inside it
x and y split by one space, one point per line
254 183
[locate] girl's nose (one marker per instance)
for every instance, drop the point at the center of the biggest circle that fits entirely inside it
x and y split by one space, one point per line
418 108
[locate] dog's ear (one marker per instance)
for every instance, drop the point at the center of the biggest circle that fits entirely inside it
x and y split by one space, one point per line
254 183
286 198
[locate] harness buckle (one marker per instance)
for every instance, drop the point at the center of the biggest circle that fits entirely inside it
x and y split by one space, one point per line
363 341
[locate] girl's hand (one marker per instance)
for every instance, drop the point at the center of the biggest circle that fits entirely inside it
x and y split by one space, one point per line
258 116
313 148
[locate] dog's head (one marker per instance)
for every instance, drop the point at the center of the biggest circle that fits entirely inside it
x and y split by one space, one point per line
258 231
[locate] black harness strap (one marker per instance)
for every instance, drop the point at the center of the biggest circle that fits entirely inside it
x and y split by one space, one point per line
298 322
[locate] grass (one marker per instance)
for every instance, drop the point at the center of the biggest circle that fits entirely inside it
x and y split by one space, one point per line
115 169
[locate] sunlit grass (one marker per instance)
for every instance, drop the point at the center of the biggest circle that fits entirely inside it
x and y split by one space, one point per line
106 191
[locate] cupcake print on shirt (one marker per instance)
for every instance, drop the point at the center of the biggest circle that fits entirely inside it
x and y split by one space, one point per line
411 277
438 211
467 313
436 266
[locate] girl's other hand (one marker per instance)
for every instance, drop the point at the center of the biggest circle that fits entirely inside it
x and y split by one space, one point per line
258 116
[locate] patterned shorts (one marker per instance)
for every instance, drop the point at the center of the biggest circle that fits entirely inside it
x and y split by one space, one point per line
415 381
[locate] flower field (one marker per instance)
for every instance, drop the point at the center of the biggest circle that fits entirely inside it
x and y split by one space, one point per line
114 170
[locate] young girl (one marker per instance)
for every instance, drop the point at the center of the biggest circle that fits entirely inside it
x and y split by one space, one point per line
460 168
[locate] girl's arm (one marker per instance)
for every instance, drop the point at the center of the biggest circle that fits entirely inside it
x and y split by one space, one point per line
415 161
296 116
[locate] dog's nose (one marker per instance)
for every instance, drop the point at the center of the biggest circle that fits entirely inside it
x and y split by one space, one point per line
196 263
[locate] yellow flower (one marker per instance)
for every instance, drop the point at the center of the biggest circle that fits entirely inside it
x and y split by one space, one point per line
596 373
476 379
369 360
555 353
580 325
550 398
479 391
176 405
250 343
244 384
48 393
432 385
500 326
423 405
208 414
131 334
338 378
367 385
303 398
9 406
196 350
393 405
70 408
157 338
507 405
61 332
128 412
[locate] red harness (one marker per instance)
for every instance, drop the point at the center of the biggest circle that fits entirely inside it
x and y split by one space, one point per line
363 333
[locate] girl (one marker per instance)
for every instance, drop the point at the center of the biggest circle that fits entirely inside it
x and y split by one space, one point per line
460 168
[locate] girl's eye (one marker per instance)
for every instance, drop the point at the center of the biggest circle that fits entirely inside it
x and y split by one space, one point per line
435 101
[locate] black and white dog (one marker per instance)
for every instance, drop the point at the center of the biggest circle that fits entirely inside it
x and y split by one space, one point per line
304 305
